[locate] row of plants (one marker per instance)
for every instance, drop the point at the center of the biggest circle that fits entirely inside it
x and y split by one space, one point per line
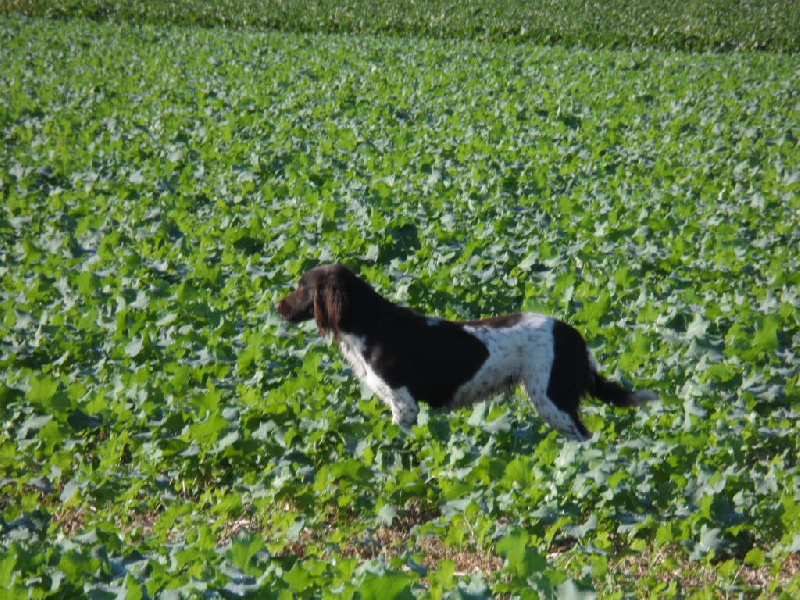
688 25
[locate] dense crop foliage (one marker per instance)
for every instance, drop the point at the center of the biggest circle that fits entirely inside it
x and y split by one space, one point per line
162 433
679 24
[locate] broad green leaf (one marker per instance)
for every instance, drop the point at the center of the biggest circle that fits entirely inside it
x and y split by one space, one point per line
33 423
386 515
522 561
698 327
43 391
243 549
765 339
569 590
389 586
299 578
7 564
708 543
755 557
442 576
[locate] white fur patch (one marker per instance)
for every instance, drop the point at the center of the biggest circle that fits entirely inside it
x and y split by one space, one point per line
404 407
524 348
520 354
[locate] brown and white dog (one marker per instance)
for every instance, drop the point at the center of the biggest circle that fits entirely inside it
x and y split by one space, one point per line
406 358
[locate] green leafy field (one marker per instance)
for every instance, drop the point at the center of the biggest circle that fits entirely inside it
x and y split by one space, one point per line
163 434
693 25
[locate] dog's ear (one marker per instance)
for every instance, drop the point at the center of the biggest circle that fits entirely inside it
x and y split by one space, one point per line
328 304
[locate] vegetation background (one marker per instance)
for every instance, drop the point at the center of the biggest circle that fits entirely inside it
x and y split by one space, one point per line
169 169
692 25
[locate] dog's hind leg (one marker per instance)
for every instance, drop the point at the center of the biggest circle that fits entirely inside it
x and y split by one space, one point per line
568 422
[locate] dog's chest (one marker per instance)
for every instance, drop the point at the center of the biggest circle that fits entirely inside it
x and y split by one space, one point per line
353 348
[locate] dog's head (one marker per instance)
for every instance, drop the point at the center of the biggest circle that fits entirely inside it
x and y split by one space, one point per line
321 294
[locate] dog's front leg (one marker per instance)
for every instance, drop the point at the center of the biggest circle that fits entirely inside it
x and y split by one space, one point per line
404 408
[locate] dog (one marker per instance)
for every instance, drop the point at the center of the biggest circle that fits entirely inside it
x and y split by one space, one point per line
406 358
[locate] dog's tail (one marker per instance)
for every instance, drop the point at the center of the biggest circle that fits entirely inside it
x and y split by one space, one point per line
612 392
574 374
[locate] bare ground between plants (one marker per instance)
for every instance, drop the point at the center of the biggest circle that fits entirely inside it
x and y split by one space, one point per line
399 540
